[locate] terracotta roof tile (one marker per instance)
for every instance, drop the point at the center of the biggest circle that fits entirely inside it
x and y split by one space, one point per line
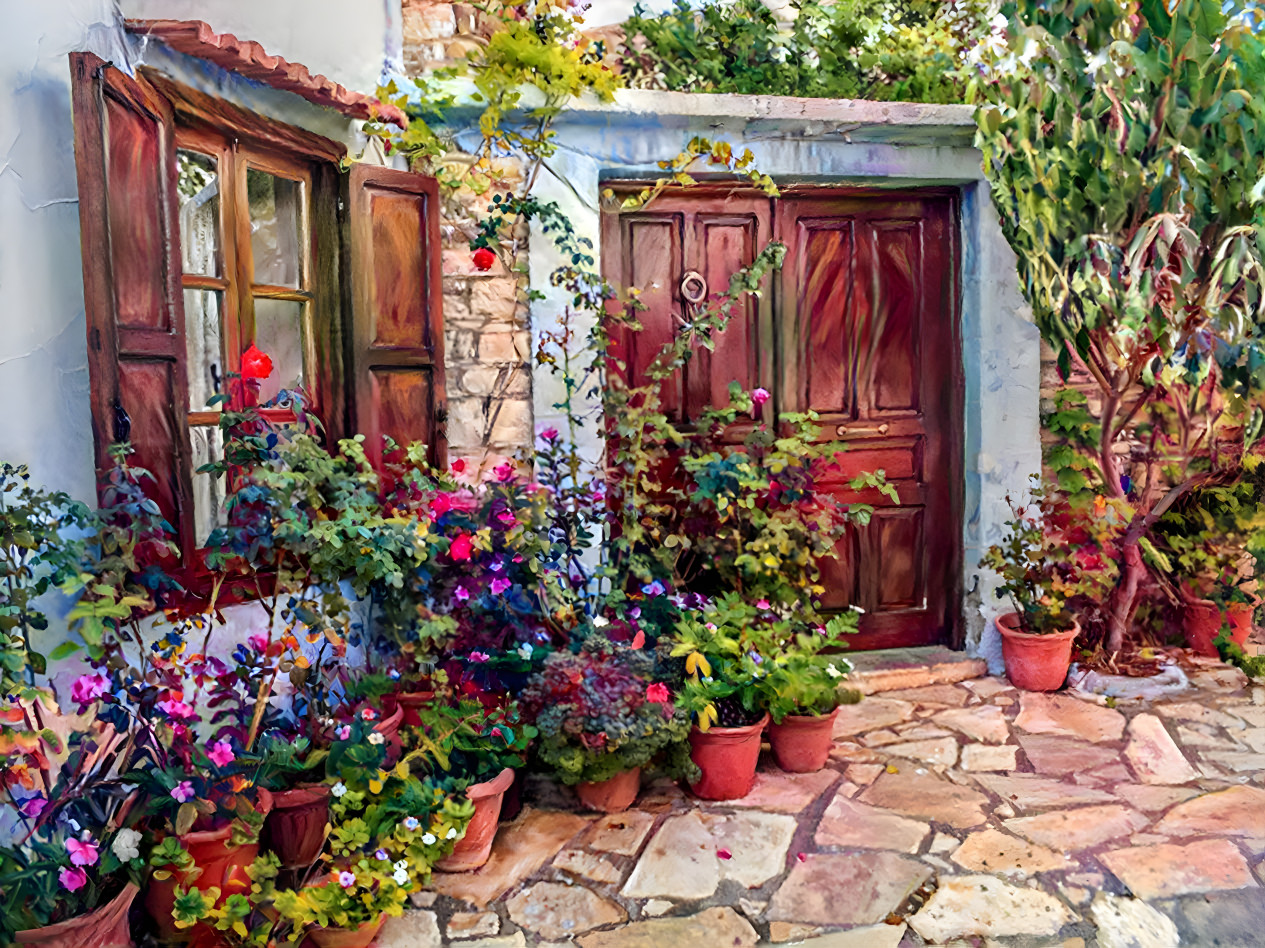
249 59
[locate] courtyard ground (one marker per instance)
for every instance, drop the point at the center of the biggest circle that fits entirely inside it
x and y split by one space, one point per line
963 813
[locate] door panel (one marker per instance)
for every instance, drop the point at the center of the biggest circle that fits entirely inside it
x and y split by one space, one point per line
867 309
861 327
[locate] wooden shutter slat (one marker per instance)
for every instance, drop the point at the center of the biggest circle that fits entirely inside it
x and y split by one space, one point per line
396 341
124 158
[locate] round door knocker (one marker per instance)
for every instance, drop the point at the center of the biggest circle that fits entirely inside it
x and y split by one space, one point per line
693 287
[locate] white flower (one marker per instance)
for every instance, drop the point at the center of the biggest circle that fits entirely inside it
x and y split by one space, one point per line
600 622
400 876
525 650
376 738
452 833
126 845
857 609
338 789
833 671
401 866
428 839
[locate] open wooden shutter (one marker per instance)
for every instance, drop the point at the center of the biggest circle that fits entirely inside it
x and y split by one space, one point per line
397 356
131 272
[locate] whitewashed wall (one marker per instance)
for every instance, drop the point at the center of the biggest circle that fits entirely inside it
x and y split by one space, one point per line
45 420
883 144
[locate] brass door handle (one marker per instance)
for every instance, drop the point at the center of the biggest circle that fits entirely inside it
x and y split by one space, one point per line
862 431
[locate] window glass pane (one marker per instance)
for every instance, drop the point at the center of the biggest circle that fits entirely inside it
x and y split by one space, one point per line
198 181
208 489
204 344
276 222
279 334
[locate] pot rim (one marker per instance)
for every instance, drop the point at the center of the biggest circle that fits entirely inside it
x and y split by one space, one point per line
125 896
300 796
801 720
731 733
1020 635
490 788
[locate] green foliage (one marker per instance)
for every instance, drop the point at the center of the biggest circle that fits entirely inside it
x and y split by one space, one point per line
599 713
850 49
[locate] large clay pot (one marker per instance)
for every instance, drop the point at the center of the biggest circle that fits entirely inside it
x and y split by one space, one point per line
611 796
474 849
295 829
1035 662
222 865
727 756
105 927
801 743
1202 620
410 703
361 937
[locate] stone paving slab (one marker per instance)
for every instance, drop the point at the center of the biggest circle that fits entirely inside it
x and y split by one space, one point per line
950 812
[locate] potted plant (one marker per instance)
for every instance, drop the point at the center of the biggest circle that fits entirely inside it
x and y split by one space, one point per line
803 689
477 750
601 718
724 648
1054 559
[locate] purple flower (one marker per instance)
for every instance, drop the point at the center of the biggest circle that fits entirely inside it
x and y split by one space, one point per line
461 593
654 588
183 791
499 585
346 879
411 823
382 855
221 754
343 733
33 807
73 879
88 688
479 656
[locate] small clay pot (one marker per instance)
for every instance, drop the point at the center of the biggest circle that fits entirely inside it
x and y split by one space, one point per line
1202 620
295 829
801 743
611 796
1035 662
104 927
475 847
361 937
727 756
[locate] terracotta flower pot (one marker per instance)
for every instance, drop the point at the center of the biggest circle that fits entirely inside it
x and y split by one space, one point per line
389 727
105 927
1035 662
1202 620
801 743
295 829
473 849
361 937
611 796
222 865
410 703
727 756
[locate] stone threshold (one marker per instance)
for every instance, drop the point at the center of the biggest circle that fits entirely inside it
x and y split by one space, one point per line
894 669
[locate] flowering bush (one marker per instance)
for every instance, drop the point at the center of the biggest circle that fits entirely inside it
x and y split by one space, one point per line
600 712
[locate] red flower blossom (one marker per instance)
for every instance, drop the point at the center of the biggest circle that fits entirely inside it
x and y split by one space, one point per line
483 259
255 364
658 691
639 639
461 547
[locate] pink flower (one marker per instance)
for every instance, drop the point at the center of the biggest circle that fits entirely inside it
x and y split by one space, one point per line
175 708
504 472
73 880
724 854
762 604
368 714
258 642
221 754
550 434
461 547
461 593
658 691
639 639
346 879
440 504
82 852
802 857
507 518
499 585
479 656
759 396
183 791
88 688
343 733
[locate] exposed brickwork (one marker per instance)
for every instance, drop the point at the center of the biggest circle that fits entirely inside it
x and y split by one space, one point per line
489 349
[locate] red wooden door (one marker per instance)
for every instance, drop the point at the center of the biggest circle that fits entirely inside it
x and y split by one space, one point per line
862 328
867 305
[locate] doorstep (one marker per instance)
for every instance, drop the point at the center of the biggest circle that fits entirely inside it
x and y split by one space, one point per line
893 669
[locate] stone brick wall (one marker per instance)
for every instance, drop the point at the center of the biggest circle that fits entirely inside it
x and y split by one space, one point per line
488 337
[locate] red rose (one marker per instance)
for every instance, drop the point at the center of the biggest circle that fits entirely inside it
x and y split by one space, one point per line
483 259
255 364
461 547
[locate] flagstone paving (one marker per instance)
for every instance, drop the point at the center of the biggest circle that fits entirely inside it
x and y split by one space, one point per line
955 813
